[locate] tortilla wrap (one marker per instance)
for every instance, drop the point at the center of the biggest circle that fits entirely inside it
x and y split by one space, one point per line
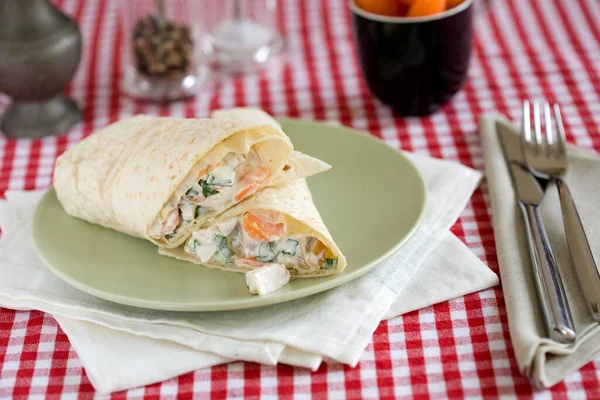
293 202
127 175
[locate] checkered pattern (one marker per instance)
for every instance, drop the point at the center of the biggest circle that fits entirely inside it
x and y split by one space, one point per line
523 49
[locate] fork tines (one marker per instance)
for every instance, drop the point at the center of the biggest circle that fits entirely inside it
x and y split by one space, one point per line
550 141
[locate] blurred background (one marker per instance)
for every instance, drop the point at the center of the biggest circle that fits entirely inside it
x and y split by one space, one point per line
67 61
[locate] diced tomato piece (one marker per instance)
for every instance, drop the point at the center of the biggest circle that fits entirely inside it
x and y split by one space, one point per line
249 262
251 181
246 192
259 229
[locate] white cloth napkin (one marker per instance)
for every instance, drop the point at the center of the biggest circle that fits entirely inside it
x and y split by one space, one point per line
543 361
123 347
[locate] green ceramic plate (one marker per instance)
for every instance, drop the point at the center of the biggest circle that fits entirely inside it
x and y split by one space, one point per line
372 200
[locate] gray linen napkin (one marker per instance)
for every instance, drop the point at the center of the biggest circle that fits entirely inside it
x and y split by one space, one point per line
543 361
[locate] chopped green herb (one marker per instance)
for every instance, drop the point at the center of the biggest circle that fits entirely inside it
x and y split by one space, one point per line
195 244
329 263
219 257
222 182
222 255
197 211
290 246
267 251
212 181
267 247
171 235
220 241
207 190
191 193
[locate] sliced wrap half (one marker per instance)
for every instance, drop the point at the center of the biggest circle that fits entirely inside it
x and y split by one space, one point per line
276 225
159 178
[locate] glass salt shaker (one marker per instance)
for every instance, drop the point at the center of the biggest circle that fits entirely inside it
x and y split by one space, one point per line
237 36
160 60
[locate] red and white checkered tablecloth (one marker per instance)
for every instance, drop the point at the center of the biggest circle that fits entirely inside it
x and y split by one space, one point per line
461 348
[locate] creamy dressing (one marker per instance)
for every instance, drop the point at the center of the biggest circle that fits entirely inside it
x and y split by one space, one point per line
202 244
188 210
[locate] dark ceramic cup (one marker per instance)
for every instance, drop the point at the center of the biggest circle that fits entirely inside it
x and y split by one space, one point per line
414 64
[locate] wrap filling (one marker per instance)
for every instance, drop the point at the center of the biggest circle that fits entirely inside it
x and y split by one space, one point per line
257 238
213 189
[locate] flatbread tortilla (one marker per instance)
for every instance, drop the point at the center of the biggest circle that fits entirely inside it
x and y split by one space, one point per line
129 175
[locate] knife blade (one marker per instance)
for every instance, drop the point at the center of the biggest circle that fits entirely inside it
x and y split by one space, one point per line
529 192
526 185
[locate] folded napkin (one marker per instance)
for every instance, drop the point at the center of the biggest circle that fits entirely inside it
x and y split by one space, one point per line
543 361
123 347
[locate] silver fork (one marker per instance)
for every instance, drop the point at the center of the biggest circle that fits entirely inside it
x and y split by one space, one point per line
546 157
551 293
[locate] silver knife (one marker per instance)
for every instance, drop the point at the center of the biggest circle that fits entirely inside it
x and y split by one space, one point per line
529 192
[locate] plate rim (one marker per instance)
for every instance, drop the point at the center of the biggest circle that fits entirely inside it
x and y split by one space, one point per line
256 301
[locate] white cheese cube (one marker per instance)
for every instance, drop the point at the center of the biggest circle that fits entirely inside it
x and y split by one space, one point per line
267 279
